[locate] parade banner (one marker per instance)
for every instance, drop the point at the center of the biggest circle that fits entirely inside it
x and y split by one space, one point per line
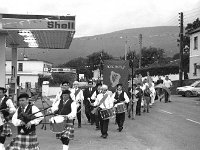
115 72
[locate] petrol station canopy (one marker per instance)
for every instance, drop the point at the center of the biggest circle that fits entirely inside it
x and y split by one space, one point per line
39 31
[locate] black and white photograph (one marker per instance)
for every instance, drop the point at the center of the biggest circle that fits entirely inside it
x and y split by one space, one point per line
100 75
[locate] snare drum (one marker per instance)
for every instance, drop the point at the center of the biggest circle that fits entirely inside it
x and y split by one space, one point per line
58 124
120 108
107 113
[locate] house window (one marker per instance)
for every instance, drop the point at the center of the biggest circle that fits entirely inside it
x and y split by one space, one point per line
20 67
72 25
195 42
195 69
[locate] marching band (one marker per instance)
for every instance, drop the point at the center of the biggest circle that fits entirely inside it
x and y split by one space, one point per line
100 106
6 110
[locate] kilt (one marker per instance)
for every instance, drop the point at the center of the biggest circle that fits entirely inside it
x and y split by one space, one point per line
24 142
67 133
5 130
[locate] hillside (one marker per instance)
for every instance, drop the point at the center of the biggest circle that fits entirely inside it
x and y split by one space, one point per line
164 37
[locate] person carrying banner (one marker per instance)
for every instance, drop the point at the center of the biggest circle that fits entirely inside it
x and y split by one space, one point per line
87 102
93 98
6 110
120 97
78 98
25 118
103 102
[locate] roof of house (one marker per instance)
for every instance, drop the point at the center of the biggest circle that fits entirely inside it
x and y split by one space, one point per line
194 31
31 60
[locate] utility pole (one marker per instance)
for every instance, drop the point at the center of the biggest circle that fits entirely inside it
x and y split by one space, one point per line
181 50
101 65
131 62
140 50
125 49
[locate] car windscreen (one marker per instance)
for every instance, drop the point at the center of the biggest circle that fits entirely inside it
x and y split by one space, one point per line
194 84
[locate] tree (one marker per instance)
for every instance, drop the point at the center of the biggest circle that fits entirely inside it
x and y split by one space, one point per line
96 59
75 63
81 66
193 26
176 56
151 55
133 59
58 78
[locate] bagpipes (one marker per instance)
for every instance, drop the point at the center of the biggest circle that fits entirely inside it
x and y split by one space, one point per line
5 115
26 117
2 118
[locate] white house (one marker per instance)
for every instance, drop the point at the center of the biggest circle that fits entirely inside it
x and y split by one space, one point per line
194 67
28 71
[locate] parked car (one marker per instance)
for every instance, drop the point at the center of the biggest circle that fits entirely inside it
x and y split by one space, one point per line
191 90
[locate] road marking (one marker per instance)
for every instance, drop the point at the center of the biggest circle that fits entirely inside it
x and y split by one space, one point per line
166 111
193 121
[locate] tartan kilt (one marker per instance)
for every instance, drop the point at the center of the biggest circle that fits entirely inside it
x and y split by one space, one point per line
67 133
24 142
5 130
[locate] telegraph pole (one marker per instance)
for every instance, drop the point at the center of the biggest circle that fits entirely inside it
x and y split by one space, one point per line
101 65
140 50
125 50
181 49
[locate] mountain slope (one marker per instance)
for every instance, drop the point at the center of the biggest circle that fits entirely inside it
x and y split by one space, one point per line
164 37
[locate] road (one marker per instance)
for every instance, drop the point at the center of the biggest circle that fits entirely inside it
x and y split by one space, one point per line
168 126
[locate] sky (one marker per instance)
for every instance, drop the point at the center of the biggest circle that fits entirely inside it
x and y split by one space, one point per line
94 17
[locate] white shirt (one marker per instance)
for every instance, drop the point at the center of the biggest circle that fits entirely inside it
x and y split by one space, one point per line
107 104
16 121
94 95
79 97
73 108
10 105
167 83
125 96
144 86
152 89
